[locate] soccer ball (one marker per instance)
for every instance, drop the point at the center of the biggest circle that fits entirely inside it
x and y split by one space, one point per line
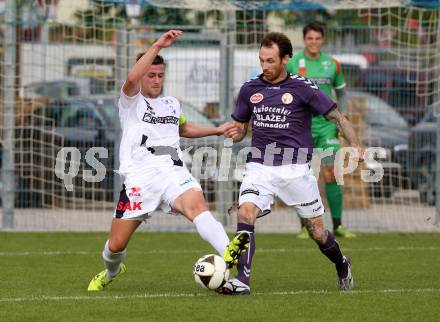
210 272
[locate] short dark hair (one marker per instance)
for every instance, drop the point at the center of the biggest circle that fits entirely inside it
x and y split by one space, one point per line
279 39
158 60
315 26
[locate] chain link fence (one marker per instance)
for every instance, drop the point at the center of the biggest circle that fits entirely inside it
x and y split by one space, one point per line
63 64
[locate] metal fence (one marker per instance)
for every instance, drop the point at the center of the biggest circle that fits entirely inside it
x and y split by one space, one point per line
62 70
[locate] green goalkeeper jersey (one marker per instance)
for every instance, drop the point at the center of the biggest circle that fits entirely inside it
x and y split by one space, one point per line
325 71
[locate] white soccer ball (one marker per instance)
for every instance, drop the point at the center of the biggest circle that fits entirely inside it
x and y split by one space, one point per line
210 272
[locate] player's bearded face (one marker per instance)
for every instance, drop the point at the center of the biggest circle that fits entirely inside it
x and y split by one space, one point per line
152 81
271 63
313 41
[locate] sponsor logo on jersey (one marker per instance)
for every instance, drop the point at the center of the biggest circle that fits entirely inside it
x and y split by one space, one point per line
271 109
287 98
271 117
123 206
256 98
160 119
321 80
135 192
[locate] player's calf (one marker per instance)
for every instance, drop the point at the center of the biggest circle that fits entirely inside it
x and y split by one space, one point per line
342 263
316 229
212 231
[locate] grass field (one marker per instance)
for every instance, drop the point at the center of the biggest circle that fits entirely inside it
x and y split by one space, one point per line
44 277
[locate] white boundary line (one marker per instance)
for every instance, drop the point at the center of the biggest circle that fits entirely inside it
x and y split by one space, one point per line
197 251
188 295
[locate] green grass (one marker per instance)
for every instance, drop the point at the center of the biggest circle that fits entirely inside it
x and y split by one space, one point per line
44 277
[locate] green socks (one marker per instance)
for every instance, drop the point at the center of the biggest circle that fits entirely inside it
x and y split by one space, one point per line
335 199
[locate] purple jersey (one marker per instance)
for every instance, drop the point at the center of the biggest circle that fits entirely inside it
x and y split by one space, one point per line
281 116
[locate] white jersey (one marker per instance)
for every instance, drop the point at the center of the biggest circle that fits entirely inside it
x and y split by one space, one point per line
150 133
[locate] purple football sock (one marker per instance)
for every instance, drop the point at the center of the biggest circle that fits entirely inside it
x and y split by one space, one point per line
245 261
332 251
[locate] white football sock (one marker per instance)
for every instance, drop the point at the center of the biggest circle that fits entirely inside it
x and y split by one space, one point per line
112 260
212 231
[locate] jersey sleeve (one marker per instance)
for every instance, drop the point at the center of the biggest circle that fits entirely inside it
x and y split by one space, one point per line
318 102
243 110
338 81
177 105
125 105
126 101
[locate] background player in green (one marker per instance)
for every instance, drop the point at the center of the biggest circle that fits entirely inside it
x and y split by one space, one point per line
326 72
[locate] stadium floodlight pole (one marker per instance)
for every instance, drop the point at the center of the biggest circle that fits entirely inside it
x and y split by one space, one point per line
8 176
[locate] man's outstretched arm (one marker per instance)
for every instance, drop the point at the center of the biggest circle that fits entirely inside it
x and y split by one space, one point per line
132 86
346 129
190 130
238 131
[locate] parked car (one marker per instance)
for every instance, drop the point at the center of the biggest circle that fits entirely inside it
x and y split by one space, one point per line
422 157
66 88
79 122
385 128
397 87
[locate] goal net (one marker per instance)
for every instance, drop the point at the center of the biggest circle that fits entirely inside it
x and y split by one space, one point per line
70 59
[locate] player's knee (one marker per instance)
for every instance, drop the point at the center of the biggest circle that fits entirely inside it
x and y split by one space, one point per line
329 174
195 209
247 215
190 204
117 245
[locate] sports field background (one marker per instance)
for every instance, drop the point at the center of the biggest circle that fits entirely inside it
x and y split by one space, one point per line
45 276
391 53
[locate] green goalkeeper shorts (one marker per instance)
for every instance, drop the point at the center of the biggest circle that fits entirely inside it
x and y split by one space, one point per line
325 136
